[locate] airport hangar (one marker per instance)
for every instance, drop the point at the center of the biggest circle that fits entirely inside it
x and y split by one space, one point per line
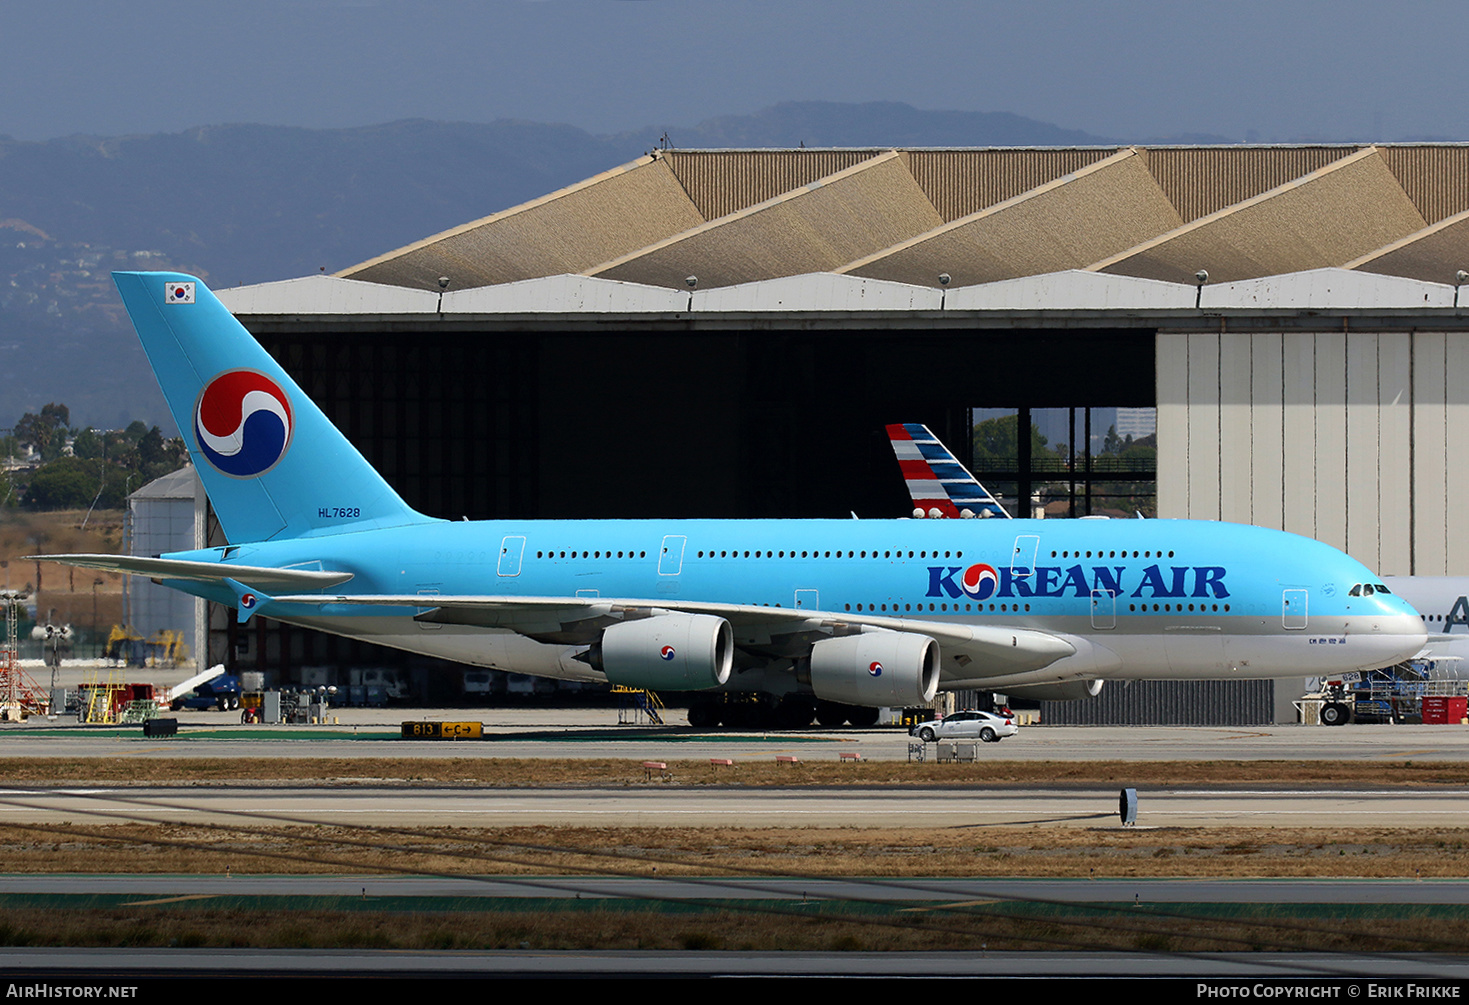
724 333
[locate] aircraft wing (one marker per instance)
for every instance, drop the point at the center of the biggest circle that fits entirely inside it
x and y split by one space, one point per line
1000 650
260 577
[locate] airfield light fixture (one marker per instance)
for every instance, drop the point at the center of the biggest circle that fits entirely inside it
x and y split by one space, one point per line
1201 277
1460 278
692 283
443 285
944 294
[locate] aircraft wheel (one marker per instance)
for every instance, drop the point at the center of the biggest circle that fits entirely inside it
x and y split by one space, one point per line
740 715
703 715
794 713
862 716
1334 714
830 714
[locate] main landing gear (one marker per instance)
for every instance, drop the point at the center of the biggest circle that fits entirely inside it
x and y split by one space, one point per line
763 711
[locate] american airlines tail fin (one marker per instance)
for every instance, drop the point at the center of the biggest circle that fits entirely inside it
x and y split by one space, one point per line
936 480
274 466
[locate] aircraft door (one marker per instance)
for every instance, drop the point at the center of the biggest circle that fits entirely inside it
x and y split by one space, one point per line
511 550
1293 609
670 559
1104 609
1022 559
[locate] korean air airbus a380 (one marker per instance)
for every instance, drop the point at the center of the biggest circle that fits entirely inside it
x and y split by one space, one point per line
864 613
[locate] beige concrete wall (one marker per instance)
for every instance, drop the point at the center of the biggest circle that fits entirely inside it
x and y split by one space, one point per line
1353 438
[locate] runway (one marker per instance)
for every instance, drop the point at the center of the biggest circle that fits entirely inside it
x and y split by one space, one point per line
1178 974
664 805
381 892
683 802
595 734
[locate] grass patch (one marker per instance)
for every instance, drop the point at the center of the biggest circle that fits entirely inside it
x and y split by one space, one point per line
1034 852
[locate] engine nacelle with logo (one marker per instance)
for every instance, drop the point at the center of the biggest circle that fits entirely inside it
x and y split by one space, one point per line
675 652
876 669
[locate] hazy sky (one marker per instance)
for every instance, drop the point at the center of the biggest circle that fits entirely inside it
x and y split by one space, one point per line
1342 70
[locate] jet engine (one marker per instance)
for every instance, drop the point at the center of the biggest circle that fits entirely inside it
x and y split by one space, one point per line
1072 690
876 669
675 652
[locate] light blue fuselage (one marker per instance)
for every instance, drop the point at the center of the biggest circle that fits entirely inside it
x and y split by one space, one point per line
1145 598
862 612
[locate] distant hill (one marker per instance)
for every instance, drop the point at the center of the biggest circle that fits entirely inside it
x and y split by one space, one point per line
246 204
876 123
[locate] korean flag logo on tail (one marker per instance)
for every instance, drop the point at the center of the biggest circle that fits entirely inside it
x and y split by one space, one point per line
243 423
179 293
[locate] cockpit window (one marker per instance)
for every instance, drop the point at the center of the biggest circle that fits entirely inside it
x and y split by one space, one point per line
1355 591
1383 589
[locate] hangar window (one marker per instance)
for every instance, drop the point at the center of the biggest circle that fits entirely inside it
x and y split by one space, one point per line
1093 457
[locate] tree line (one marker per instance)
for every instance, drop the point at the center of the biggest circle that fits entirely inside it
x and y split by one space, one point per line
102 467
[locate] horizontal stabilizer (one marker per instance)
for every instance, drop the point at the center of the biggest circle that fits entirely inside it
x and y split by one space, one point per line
203 572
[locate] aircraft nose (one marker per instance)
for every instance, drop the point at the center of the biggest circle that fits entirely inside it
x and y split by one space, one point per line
1401 631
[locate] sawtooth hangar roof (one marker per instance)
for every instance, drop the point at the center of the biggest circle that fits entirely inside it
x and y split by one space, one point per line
1144 300
982 216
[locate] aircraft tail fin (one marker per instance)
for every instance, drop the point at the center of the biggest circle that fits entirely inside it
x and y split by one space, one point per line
272 463
936 480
